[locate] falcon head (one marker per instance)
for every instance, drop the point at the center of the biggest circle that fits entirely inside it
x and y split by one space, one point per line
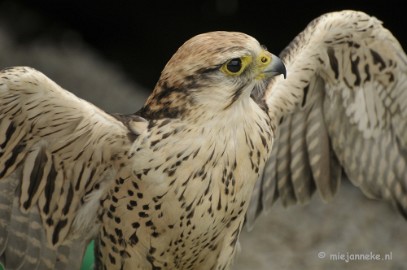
212 72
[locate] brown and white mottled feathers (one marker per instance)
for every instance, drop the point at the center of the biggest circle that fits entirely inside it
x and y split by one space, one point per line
342 108
58 155
205 147
169 192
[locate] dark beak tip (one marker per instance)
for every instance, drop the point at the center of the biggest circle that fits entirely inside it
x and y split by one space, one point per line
284 73
279 67
283 70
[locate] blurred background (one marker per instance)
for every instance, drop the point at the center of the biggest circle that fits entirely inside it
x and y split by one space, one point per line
112 52
140 36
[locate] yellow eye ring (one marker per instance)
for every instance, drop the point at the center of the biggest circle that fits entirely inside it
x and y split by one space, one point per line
234 65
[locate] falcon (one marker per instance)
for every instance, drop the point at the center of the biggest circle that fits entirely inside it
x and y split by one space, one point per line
220 138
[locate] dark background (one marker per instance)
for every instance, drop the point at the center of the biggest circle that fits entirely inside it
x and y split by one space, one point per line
140 36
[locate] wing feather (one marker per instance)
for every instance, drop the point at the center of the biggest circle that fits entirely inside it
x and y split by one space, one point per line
300 171
284 184
342 108
326 172
58 154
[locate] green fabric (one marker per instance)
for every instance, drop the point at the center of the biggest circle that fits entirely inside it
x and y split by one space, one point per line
88 259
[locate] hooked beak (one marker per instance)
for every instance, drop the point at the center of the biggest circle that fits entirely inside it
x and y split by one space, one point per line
276 67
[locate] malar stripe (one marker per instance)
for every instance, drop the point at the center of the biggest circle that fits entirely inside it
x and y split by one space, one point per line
235 96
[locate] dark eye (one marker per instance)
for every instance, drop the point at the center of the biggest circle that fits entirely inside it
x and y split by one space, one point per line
234 65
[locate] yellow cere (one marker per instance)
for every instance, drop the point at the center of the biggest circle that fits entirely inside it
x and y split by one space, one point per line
263 60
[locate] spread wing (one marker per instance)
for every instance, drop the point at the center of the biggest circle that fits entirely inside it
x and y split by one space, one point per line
58 154
342 109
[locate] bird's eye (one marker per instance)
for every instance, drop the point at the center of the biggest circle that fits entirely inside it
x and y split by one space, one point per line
234 65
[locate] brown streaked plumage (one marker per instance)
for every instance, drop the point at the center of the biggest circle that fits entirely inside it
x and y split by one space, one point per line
169 187
164 188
